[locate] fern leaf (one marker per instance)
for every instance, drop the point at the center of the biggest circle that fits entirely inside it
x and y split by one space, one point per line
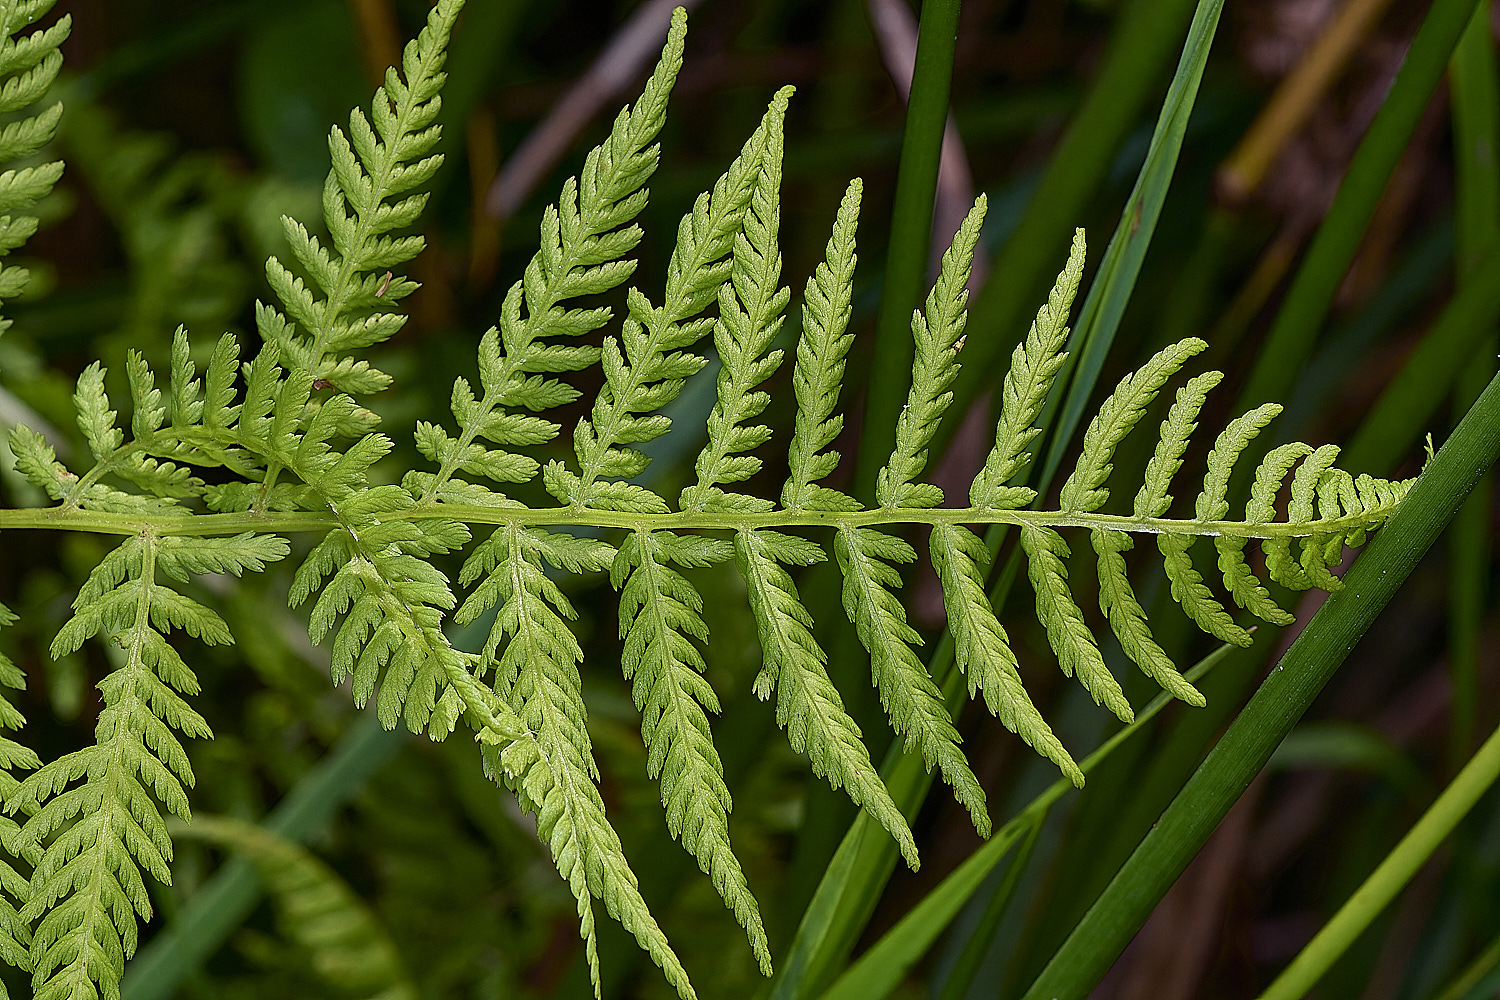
87 886
350 948
808 706
552 768
644 368
934 367
660 614
1034 365
384 157
1212 506
982 648
1084 490
1153 500
750 315
1070 638
1303 508
1128 619
15 933
28 67
582 252
819 370
1193 595
910 698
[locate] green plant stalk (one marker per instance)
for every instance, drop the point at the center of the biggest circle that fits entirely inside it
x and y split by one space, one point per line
982 937
1391 876
1141 45
1281 700
1475 92
911 235
207 919
881 968
1306 305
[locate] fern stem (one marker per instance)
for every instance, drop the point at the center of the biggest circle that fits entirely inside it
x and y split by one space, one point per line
106 523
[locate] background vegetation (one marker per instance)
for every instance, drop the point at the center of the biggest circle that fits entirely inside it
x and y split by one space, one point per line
193 124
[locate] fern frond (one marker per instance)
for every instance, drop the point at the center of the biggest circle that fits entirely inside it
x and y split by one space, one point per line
819 371
28 66
644 368
660 615
910 698
349 947
808 706
750 315
938 335
87 886
1077 652
552 768
582 252
1033 367
15 933
981 647
370 193
1084 489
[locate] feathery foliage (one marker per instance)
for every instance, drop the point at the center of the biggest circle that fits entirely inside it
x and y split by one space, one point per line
292 451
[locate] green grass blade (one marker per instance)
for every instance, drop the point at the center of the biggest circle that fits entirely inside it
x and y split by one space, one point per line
215 910
1286 693
1140 47
1475 91
961 976
1099 319
1306 305
880 969
911 235
1404 411
1391 876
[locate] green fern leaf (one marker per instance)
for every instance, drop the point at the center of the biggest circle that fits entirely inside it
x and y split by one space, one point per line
910 698
1077 652
29 65
938 336
1084 489
1034 365
819 371
381 158
645 366
982 648
582 246
553 771
660 614
96 836
808 706
750 315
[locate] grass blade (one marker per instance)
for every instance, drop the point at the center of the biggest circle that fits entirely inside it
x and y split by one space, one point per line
212 914
1094 332
911 234
1377 891
1306 305
880 969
